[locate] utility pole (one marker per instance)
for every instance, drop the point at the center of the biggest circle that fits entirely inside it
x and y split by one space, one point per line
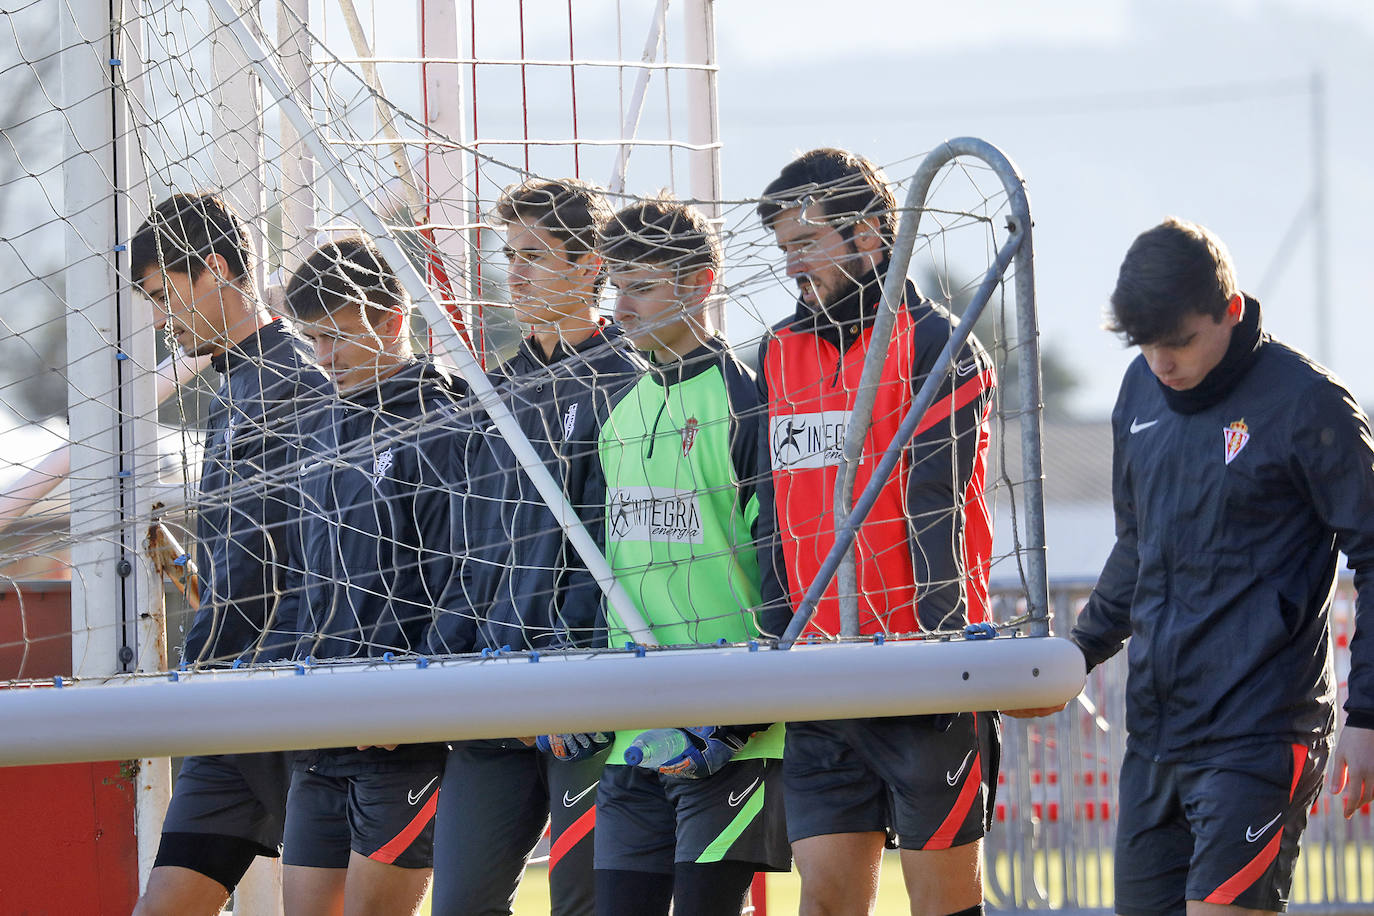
1321 280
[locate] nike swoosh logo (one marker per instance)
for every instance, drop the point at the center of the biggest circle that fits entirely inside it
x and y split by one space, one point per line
734 799
1137 426
1252 834
307 468
963 369
571 800
953 778
413 797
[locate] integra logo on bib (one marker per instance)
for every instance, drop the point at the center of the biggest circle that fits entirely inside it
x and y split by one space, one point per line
808 440
650 514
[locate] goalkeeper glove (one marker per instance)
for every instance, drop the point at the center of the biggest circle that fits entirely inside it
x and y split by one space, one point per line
574 746
710 748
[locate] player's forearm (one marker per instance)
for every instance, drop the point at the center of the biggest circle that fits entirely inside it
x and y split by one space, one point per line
1335 453
936 559
574 615
775 609
1359 703
1105 621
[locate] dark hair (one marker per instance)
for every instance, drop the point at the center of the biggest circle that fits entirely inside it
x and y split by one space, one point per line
846 186
1174 270
184 230
570 209
347 271
663 232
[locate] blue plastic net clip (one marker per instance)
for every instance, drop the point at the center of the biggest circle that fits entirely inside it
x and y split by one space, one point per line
980 631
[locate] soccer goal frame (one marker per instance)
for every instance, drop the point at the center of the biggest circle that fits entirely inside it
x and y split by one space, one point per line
162 713
526 693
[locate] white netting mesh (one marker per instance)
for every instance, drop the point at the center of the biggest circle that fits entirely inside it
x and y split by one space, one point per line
416 531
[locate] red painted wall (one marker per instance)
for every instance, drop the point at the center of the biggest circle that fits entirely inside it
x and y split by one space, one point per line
67 842
35 629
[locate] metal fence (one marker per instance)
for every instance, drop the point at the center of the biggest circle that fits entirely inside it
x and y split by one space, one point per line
1051 846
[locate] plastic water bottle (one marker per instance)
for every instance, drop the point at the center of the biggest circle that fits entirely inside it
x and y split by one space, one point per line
652 750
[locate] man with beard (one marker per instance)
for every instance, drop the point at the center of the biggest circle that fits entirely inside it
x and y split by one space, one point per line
922 555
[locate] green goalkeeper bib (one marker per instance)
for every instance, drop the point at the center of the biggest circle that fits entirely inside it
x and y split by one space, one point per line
680 454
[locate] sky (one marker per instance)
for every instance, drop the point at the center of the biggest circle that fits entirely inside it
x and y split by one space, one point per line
1118 113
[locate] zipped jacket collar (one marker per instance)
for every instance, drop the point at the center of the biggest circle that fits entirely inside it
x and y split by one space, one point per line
531 352
401 390
1247 339
843 321
255 346
688 367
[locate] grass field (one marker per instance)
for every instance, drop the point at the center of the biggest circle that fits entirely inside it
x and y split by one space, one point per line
784 890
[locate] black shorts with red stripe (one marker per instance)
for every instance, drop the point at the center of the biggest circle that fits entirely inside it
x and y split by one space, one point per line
386 815
498 797
1224 829
927 781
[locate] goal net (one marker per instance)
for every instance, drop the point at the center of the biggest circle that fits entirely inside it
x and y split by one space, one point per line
394 557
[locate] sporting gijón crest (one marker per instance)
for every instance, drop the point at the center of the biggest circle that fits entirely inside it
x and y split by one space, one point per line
689 435
380 466
1236 435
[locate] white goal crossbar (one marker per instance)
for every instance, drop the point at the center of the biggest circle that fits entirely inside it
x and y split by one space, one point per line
244 710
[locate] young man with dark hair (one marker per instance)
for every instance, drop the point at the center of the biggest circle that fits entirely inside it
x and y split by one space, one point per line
522 584
680 454
1241 470
193 258
371 557
922 555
